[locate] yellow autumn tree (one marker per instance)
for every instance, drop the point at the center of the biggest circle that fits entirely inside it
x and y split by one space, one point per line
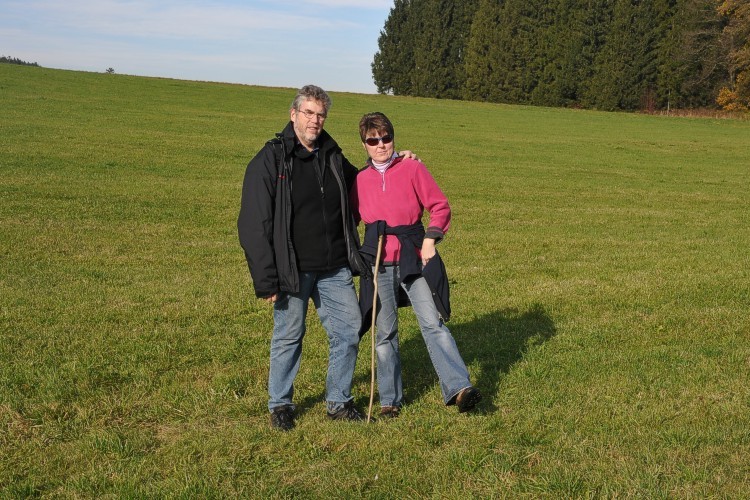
736 36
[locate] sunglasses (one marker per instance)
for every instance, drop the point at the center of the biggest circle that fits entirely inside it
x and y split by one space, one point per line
374 141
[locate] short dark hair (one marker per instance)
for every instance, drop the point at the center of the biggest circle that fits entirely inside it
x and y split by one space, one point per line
313 93
375 121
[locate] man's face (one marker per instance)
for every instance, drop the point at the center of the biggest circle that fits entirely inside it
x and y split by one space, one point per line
308 122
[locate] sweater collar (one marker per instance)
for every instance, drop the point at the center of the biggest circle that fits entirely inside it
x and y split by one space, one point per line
395 159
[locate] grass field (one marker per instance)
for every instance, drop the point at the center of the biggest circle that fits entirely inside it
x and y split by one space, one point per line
600 289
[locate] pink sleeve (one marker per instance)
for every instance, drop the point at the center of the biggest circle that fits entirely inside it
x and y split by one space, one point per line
432 199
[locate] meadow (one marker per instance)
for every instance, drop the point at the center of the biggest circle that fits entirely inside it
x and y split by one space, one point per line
600 282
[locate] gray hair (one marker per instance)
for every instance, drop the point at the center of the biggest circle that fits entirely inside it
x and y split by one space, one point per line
311 93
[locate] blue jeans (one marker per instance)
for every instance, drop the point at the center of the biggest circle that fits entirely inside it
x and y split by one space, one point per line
441 346
335 299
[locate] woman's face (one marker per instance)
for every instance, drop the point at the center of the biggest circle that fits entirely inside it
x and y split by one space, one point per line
379 145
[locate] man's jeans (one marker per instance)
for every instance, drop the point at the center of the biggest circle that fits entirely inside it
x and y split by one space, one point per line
335 299
441 346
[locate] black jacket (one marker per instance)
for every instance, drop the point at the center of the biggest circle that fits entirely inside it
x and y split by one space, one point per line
267 213
411 268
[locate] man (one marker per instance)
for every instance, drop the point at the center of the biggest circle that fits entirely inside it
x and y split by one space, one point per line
300 242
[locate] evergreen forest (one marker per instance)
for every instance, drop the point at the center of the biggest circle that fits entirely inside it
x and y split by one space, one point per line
15 60
599 54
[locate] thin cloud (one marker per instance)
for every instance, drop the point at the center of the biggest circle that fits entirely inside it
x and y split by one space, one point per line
150 19
330 42
360 4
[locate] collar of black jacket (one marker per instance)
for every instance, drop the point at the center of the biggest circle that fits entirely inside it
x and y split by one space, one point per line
325 141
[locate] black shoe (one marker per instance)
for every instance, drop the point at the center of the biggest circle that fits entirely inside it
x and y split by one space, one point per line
282 418
467 399
348 412
390 411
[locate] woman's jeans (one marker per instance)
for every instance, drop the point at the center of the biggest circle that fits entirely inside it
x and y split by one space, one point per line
335 299
441 346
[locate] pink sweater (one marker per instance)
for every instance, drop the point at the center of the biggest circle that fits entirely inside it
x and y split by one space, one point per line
400 196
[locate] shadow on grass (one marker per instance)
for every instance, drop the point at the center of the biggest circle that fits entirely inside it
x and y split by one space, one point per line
493 341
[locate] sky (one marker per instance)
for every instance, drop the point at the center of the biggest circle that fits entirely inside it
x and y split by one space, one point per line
278 43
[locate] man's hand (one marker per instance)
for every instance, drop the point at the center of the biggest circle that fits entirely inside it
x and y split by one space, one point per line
272 298
409 154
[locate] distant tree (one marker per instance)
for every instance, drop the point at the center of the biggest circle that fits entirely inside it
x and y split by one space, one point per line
439 46
549 48
422 46
604 54
499 55
460 23
560 54
111 71
596 22
700 55
736 39
670 70
15 60
482 63
393 63
623 69
424 27
525 24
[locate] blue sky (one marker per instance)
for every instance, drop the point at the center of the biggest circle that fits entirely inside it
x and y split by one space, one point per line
278 43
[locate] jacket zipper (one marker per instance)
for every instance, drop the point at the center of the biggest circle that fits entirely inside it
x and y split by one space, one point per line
323 205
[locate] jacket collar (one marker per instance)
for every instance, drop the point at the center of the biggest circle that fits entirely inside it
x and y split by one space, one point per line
325 141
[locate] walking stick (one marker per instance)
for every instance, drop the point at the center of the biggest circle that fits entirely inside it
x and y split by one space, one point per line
372 327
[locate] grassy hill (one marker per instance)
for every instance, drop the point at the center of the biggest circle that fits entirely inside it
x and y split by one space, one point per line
599 266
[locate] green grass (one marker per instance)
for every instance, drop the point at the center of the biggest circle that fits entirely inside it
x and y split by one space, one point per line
599 266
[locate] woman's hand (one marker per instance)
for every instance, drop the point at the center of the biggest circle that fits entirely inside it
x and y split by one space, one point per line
428 250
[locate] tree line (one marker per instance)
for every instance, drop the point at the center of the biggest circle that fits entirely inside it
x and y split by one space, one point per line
600 54
15 60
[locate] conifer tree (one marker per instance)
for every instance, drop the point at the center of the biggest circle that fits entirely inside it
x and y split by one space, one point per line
422 47
605 54
482 64
430 74
512 52
561 43
620 72
669 70
393 64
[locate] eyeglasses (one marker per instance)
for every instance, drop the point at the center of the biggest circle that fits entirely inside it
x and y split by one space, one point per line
312 114
374 141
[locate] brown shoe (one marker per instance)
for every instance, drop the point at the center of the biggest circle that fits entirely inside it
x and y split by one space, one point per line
467 399
390 411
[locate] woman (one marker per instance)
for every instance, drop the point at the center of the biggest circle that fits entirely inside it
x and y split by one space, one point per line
389 196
